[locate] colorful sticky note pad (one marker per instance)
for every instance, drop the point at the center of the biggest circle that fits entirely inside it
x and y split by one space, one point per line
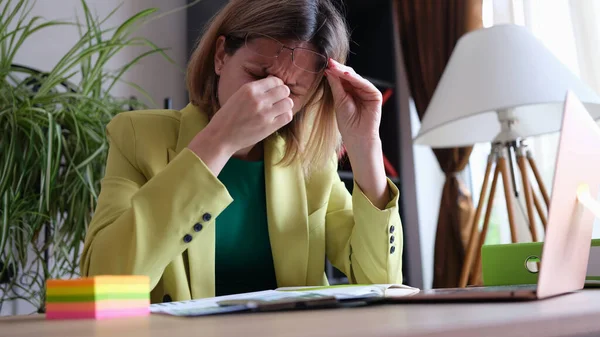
98 297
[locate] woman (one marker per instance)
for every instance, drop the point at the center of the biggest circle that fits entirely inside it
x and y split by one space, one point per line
239 191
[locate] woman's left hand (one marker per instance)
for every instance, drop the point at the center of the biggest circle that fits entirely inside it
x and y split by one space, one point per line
357 104
358 109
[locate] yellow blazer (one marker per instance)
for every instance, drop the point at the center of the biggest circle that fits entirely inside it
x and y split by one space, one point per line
155 191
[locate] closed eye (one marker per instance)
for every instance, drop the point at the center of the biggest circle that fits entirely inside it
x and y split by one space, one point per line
257 76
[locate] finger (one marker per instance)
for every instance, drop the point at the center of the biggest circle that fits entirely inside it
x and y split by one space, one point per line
276 94
348 87
339 69
280 107
340 94
337 88
361 85
357 81
267 83
283 119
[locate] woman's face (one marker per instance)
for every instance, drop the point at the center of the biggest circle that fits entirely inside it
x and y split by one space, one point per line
250 63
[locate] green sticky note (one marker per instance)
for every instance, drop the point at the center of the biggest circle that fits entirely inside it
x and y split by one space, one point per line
96 297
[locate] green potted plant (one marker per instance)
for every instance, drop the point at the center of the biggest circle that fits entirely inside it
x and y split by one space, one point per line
53 145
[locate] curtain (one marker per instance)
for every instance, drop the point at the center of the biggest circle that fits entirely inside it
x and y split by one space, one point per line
586 34
428 32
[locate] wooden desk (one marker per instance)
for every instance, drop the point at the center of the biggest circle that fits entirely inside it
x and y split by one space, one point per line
570 315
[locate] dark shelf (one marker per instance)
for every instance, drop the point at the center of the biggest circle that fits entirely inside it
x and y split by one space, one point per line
380 83
373 55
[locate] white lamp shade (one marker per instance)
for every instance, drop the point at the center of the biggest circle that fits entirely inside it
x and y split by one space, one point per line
491 69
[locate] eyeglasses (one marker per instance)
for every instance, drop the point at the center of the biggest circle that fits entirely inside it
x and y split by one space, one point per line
303 58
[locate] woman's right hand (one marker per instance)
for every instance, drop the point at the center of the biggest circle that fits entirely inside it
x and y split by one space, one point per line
254 112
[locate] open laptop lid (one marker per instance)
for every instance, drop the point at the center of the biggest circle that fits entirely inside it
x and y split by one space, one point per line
569 232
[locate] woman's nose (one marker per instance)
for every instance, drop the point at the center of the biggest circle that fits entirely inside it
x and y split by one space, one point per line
285 69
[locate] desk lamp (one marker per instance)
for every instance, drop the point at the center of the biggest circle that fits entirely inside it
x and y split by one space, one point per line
500 86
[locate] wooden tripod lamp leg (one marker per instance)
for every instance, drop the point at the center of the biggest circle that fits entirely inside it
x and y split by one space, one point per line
508 196
486 221
538 178
474 237
540 210
528 196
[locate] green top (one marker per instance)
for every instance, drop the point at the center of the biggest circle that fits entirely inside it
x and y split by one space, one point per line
243 258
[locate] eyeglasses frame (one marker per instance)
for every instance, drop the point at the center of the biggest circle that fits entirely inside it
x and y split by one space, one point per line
282 47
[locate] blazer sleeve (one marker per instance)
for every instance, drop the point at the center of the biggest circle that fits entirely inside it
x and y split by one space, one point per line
139 225
363 241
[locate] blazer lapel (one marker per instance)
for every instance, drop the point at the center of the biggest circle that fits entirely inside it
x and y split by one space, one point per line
192 121
287 216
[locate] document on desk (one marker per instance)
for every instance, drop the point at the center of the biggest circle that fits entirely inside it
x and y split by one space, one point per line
350 291
283 299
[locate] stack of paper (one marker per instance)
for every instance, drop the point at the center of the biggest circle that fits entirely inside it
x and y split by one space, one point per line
98 297
285 299
350 291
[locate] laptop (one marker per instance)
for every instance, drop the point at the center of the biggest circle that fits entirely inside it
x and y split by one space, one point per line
568 237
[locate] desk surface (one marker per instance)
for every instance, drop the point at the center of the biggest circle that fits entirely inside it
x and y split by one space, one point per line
568 315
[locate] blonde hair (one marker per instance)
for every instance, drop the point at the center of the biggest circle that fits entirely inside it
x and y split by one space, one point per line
316 21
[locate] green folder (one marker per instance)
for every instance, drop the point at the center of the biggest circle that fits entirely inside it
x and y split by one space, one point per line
517 263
